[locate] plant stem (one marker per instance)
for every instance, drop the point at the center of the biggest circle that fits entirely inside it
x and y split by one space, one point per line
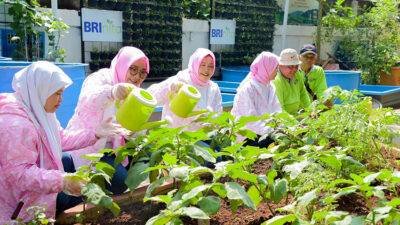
270 209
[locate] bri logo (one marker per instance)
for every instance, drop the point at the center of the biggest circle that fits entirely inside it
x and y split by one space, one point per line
101 27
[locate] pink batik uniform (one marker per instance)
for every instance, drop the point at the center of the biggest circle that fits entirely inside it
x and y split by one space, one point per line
210 94
256 94
96 103
31 143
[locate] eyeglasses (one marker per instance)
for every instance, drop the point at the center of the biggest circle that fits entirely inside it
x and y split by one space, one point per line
134 71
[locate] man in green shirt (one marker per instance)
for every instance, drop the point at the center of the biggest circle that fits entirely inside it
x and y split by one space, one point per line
313 75
289 83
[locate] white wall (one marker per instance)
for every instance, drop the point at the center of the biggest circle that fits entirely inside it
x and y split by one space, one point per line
296 37
71 41
194 35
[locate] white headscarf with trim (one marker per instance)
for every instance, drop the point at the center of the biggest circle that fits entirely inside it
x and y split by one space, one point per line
33 85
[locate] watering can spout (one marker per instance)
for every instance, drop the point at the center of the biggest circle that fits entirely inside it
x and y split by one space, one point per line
153 124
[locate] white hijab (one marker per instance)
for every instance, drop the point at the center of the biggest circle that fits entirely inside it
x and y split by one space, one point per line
33 85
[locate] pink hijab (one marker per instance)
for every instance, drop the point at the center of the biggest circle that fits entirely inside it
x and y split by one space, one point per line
263 66
124 59
194 64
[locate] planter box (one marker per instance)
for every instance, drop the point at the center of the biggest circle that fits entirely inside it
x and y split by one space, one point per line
91 212
391 79
76 71
386 95
235 73
346 79
228 86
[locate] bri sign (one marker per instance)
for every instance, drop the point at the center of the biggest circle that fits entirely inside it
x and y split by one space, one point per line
101 25
222 32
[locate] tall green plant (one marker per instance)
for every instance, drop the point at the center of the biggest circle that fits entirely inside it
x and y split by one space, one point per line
196 9
28 21
371 37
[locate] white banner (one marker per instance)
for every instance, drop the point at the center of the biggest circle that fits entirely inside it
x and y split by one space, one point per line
222 32
101 25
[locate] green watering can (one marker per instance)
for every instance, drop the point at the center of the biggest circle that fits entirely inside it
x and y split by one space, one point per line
183 103
134 112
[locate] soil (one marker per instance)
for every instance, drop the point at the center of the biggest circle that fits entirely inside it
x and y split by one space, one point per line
134 214
391 155
353 204
139 213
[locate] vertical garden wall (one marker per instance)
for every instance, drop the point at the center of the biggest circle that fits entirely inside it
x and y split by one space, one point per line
255 21
156 28
153 26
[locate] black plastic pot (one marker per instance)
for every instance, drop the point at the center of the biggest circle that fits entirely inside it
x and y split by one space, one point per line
94 55
93 3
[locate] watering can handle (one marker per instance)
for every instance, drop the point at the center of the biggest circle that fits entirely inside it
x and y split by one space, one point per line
118 102
173 93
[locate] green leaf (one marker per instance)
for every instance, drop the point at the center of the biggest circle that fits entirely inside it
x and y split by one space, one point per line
350 220
202 152
295 169
262 179
106 168
243 120
247 133
235 204
236 192
307 198
394 202
243 175
368 179
136 175
161 198
156 157
254 194
160 219
219 189
96 196
200 170
194 213
209 204
169 159
279 190
179 172
194 192
271 176
94 157
331 161
153 186
175 221
280 220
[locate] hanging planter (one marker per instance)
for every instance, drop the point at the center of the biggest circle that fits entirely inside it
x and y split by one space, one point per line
102 4
110 4
93 3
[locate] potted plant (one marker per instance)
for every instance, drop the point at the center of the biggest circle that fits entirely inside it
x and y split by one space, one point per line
27 23
371 36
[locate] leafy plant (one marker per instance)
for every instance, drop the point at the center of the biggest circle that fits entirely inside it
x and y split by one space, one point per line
371 36
196 9
38 217
28 21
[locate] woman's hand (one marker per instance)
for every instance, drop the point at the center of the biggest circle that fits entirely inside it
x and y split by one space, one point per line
73 184
108 129
121 90
174 88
